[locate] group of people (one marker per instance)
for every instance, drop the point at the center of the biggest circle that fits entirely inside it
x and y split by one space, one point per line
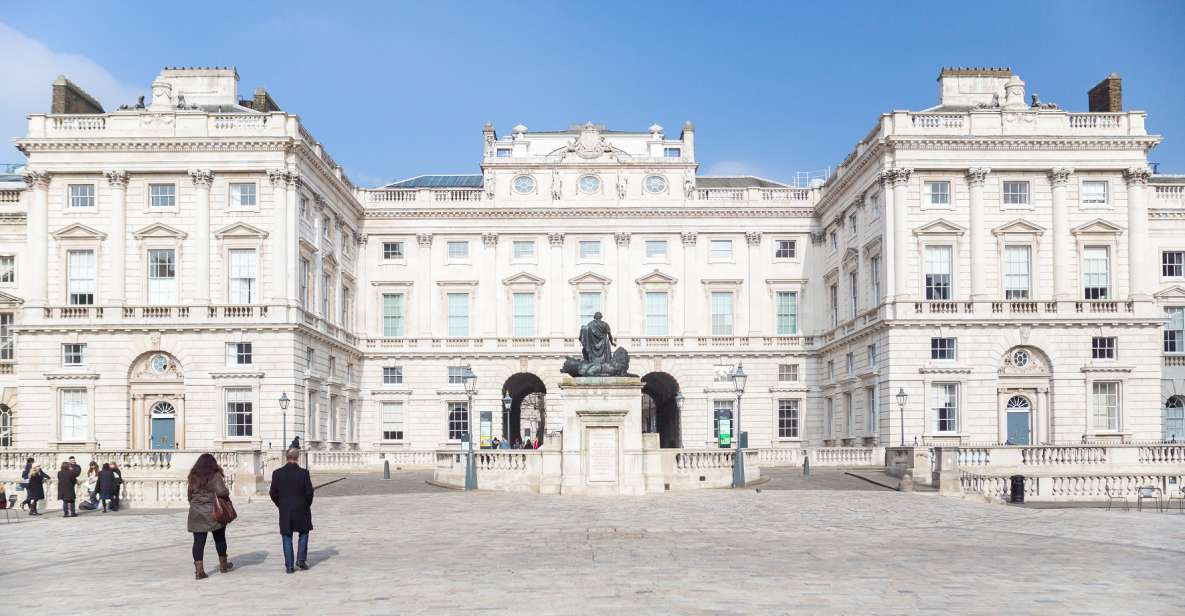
517 443
291 491
102 486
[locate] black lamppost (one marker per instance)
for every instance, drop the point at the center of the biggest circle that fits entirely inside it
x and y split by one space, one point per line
507 402
284 414
470 381
738 466
902 398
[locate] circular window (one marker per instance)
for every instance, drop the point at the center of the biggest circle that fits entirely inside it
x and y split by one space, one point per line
655 184
589 184
159 363
1020 358
524 184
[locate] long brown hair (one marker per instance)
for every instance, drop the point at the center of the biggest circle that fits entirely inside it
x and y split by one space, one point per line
203 470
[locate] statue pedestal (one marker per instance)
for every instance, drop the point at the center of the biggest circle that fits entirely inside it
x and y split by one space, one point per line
602 439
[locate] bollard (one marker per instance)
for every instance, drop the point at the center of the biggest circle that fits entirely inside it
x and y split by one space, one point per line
806 466
386 470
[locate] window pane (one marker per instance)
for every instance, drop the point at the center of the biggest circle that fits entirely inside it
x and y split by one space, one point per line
944 406
721 313
1016 272
242 276
238 412
392 314
785 249
6 337
1096 273
656 313
1016 193
82 195
75 414
458 420
720 249
524 250
81 284
937 193
1106 405
162 277
589 249
392 250
524 314
1094 192
590 304
1172 264
242 195
392 421
162 195
787 418
938 272
458 250
786 311
458 314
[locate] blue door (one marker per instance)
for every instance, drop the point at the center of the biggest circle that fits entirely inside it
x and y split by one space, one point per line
1019 420
164 435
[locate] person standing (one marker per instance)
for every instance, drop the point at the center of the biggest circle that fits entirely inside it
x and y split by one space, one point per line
24 485
107 485
292 492
67 489
206 483
36 489
118 486
92 485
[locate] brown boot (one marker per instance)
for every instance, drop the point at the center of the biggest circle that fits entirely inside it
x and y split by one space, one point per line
224 565
199 571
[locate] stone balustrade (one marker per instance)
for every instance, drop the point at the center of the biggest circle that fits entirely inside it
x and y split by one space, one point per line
1163 195
426 197
564 343
991 122
10 197
847 456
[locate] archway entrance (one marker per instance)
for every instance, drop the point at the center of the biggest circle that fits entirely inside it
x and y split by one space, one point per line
1025 416
1019 410
660 409
1174 419
527 417
156 392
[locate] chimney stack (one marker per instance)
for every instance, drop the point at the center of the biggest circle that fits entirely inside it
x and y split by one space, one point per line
69 98
1107 96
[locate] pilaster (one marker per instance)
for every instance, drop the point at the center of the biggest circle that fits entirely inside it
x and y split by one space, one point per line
1059 178
624 290
756 313
1137 233
555 242
424 291
976 178
691 299
117 181
202 178
488 306
901 231
276 241
37 238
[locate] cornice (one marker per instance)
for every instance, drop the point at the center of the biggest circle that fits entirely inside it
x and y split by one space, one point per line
71 376
599 212
1021 142
237 374
257 144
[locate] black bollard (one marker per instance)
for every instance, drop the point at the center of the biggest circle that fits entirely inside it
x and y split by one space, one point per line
806 466
386 470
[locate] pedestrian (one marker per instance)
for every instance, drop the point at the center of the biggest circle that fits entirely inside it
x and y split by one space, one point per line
505 444
206 483
295 442
24 484
36 489
292 492
494 443
107 484
92 485
67 489
118 486
74 467
3 497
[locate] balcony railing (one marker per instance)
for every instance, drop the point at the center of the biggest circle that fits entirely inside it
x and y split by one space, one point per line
393 196
1023 121
1164 195
10 197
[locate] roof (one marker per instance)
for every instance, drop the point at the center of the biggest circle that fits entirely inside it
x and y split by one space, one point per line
439 181
1167 178
744 181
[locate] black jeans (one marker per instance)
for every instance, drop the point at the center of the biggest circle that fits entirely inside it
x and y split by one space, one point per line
199 543
68 507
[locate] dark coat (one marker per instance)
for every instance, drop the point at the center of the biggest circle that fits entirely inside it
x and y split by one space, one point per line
201 505
67 481
108 483
36 489
292 492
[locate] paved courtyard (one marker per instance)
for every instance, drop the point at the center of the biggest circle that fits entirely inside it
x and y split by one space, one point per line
400 548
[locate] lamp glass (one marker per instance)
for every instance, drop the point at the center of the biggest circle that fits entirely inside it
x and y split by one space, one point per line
679 400
902 397
469 379
738 378
284 401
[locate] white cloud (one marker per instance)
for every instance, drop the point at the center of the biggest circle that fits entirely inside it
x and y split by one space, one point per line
731 168
28 79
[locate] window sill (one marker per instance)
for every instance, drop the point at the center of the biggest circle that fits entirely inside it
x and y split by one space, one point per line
242 210
162 210
788 439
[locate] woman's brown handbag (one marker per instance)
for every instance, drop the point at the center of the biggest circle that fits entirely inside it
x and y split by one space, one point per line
224 510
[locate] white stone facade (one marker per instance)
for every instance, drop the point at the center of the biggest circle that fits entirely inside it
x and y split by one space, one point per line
196 222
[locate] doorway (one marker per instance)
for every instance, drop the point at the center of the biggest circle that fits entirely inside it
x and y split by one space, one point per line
164 426
1020 425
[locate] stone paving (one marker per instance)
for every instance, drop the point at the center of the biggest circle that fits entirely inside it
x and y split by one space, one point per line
432 551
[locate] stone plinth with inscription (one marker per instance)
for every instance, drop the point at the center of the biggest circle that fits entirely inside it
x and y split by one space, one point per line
602 438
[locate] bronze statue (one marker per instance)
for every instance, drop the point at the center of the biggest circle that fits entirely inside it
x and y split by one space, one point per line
598 357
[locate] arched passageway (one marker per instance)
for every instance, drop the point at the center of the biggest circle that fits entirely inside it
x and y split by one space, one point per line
527 417
660 408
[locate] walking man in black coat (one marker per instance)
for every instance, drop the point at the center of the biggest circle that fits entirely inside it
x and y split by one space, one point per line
292 492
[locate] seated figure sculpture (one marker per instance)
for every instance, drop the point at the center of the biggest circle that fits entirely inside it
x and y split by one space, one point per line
598 359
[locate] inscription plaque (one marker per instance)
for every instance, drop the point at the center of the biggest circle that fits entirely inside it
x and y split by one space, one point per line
602 454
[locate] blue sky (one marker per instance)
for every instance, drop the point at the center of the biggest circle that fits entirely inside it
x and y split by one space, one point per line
398 89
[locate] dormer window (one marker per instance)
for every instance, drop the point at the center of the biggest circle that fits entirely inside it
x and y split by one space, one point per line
672 152
504 152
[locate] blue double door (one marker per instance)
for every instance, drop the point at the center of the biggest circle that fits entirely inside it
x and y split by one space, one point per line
164 433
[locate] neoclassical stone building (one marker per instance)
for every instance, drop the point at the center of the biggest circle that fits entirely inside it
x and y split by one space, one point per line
171 269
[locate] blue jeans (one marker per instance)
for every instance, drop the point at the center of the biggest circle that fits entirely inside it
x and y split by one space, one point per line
302 550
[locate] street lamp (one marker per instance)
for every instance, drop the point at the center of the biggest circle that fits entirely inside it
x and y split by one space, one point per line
507 402
470 381
284 400
738 465
902 398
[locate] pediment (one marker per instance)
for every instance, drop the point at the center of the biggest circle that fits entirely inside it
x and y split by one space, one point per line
1019 226
160 230
329 260
240 230
523 278
941 226
590 278
1097 226
656 277
78 231
1173 292
851 254
10 300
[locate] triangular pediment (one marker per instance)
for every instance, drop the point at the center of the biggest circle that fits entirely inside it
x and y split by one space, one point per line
329 260
523 278
656 277
10 300
941 226
160 230
1173 292
851 254
589 278
1098 226
240 230
78 231
1019 226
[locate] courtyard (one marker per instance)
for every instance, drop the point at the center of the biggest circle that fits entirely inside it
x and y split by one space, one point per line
828 544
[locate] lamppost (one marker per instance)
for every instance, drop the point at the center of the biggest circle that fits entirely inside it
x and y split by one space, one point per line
507 402
902 398
470 381
284 414
738 465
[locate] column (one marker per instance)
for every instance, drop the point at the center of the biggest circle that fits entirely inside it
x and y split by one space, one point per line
279 180
423 290
901 230
1137 233
756 315
201 255
117 251
291 220
362 297
555 277
888 251
1062 255
691 291
487 286
624 287
38 238
976 177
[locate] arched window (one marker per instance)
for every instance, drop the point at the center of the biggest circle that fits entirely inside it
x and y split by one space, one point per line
1019 403
5 426
163 409
1174 419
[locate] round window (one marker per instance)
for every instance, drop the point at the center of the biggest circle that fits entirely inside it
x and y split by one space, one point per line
655 184
1020 358
589 184
524 184
159 363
